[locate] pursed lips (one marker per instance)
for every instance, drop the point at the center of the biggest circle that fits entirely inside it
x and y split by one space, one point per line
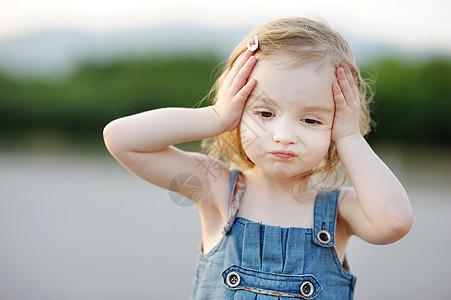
283 154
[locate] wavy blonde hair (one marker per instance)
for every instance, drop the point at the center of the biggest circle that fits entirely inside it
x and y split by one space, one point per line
305 40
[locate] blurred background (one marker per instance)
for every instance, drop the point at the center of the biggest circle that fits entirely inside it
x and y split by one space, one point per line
74 224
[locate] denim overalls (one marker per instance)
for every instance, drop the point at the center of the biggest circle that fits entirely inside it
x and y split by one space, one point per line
258 261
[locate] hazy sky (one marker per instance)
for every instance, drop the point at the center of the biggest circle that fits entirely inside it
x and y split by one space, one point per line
412 23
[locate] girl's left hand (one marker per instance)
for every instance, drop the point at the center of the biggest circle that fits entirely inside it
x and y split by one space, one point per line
347 104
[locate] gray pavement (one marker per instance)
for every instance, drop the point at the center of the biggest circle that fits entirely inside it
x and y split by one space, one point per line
81 227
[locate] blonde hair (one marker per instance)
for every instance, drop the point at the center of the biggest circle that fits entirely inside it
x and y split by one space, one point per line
306 40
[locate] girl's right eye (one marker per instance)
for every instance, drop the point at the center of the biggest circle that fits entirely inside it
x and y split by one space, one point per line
265 114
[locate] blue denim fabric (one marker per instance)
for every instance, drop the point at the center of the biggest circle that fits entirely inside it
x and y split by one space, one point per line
273 262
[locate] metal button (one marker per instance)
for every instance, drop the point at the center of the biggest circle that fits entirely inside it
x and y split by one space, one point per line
307 289
324 236
233 279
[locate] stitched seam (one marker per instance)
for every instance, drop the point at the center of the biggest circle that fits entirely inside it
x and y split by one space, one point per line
284 277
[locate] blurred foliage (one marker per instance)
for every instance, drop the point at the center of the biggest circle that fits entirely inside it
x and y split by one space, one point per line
412 101
78 107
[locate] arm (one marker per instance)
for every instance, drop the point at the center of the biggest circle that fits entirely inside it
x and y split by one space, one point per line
142 142
377 209
154 130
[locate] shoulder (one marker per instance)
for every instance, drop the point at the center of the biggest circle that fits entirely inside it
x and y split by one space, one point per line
342 231
347 208
346 194
331 196
218 191
215 213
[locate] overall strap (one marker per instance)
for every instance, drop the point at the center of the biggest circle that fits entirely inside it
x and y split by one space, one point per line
325 218
237 188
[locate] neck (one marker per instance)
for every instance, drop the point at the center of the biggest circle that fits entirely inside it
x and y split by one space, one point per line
277 186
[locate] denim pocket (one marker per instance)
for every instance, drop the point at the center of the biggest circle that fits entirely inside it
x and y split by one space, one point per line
284 285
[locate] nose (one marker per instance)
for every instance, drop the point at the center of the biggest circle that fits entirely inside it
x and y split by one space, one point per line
284 132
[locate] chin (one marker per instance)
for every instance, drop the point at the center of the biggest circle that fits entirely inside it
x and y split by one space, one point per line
283 171
280 173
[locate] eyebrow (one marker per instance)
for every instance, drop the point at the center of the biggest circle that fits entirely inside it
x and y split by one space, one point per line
310 108
320 108
265 100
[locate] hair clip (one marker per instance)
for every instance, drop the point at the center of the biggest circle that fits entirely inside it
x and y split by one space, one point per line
254 46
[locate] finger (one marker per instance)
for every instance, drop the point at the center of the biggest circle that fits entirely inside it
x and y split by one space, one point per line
344 85
348 74
243 75
239 63
351 81
231 72
247 89
340 102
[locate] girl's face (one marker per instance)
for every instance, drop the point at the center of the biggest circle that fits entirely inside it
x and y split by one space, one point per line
286 124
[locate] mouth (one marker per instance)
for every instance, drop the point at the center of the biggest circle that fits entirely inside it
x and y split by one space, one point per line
284 155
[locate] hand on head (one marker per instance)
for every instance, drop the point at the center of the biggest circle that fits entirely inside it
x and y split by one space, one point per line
347 104
235 90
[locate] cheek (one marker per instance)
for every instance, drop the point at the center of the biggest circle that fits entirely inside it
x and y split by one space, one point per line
249 140
325 145
251 131
320 142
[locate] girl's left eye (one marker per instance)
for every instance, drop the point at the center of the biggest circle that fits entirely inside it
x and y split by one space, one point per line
312 121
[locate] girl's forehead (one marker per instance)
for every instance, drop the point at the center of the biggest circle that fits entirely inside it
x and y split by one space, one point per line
287 67
279 80
284 61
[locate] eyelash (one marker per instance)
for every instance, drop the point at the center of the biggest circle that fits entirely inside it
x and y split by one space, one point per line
265 112
267 115
314 121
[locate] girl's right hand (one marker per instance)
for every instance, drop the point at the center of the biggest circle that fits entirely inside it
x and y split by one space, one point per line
235 90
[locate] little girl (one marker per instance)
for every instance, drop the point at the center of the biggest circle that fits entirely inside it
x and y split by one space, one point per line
290 105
